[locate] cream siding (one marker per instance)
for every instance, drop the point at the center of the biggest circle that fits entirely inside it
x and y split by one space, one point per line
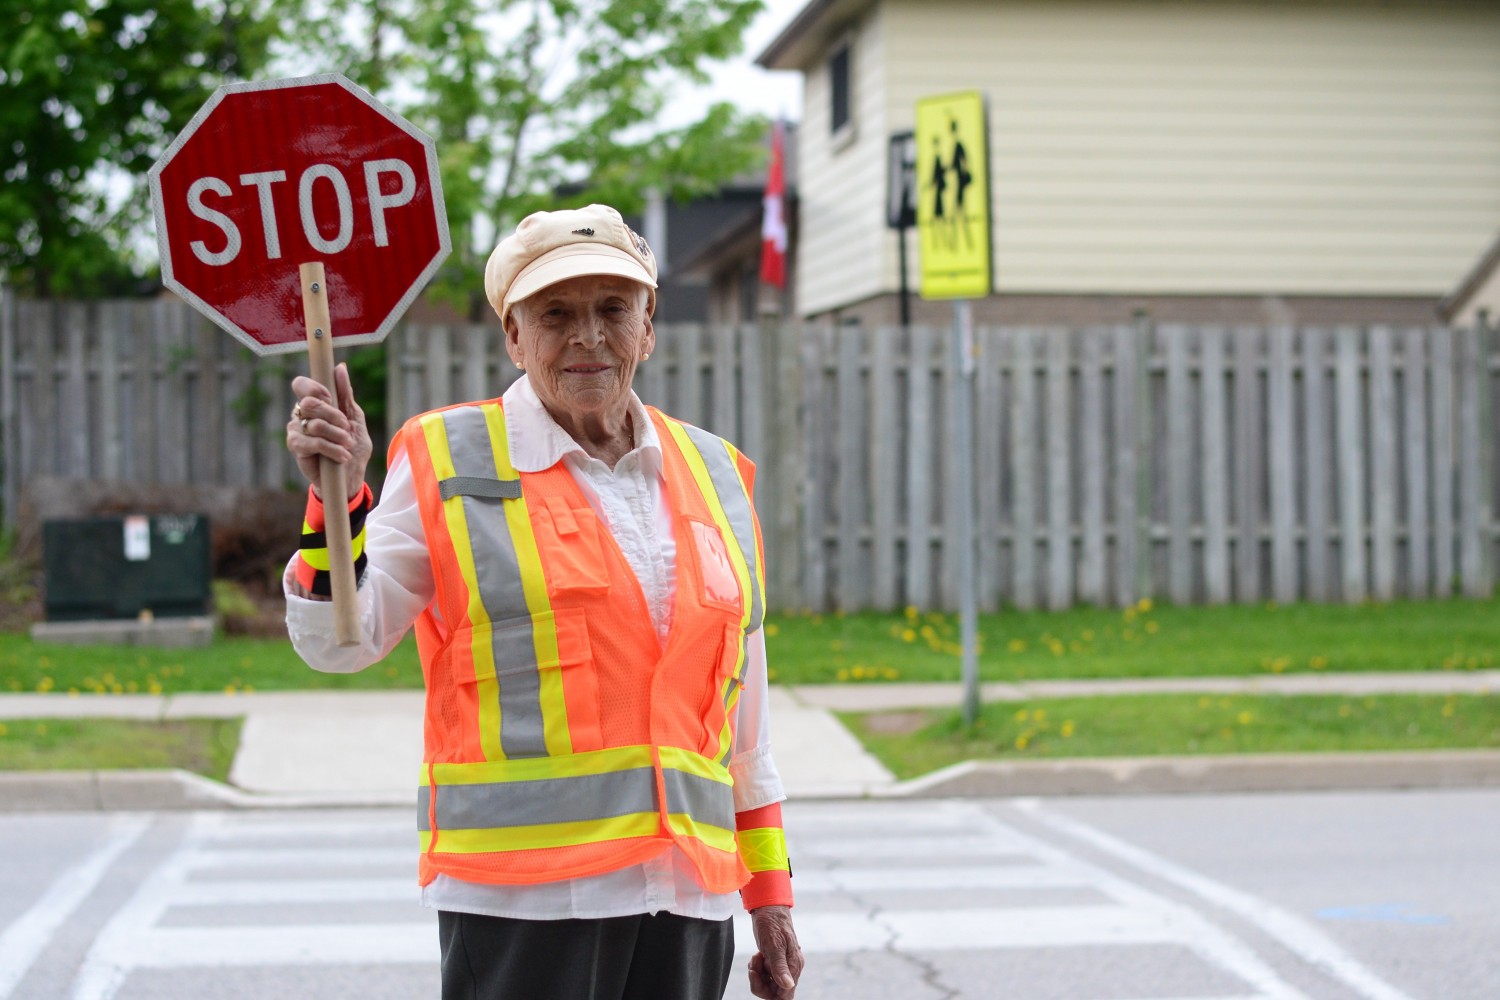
1275 148
841 187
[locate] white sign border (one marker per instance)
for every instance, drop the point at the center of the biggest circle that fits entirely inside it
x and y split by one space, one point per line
163 243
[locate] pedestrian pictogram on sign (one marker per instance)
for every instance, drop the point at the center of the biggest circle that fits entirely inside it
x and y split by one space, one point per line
953 196
270 175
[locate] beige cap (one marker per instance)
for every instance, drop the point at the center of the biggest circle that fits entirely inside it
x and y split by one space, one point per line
548 247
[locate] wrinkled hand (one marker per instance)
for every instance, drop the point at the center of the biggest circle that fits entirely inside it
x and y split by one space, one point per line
321 428
777 965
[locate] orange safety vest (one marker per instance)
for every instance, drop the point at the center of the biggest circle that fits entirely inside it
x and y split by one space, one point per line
562 739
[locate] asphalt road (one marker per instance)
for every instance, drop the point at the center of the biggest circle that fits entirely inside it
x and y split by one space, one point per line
1374 896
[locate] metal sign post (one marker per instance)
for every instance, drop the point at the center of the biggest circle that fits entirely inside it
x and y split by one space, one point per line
953 218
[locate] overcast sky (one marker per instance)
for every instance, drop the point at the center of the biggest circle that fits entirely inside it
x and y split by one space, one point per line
743 83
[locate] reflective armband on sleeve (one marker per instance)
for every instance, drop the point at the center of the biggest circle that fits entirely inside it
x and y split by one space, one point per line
763 849
312 564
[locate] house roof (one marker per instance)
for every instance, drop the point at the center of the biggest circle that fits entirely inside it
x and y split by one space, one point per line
805 36
1477 278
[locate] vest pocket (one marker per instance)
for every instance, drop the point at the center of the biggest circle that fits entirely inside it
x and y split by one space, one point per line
568 542
721 585
538 670
726 681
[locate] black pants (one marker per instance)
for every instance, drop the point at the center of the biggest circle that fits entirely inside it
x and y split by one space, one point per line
661 957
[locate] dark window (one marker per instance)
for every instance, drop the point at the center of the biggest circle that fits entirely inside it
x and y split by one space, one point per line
838 72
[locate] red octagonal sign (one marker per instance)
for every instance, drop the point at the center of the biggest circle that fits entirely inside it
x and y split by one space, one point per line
268 176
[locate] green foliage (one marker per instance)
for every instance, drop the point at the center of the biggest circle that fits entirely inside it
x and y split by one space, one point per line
529 99
93 84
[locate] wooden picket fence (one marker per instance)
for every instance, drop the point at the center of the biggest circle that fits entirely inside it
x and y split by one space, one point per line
1192 464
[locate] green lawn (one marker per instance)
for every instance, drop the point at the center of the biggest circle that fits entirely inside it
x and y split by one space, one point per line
203 745
1150 640
230 664
917 742
1145 641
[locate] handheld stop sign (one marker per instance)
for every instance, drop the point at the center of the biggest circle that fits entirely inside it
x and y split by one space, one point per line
302 213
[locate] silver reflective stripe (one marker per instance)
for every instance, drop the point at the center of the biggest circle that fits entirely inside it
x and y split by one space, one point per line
704 799
731 490
475 486
531 803
500 592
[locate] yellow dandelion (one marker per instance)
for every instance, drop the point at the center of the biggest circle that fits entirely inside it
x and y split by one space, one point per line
772 631
1022 715
1068 729
1448 709
1129 614
1318 663
843 674
911 612
890 673
4 729
230 689
41 729
1023 741
155 688
1040 715
1088 635
1153 627
1205 702
1245 718
72 692
909 635
1144 605
1017 645
44 685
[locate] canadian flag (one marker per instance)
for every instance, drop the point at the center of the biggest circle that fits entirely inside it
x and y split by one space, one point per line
773 221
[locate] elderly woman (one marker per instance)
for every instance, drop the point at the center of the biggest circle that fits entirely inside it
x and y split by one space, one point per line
584 577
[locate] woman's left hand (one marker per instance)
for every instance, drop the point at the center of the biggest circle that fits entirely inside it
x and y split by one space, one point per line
777 965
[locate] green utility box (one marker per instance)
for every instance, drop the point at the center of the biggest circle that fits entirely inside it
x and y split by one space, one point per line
127 567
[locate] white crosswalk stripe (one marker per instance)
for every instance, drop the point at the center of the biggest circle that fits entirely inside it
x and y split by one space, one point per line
898 878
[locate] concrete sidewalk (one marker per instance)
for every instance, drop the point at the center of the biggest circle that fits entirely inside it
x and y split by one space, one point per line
364 747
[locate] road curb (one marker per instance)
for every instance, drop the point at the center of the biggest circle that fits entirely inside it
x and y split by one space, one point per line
1219 774
163 789
94 791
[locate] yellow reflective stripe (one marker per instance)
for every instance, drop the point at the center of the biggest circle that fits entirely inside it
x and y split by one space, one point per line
543 835
690 762
554 705
318 558
763 849
760 561
541 768
716 837
711 495
487 691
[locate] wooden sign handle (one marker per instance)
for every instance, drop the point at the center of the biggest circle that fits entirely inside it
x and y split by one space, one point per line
331 483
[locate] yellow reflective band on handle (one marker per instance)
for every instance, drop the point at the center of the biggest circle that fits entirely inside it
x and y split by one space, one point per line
764 849
318 558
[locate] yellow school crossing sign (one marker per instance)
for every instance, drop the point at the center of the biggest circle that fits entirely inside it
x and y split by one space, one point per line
953 196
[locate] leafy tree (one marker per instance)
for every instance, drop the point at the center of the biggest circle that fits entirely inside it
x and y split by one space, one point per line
541 103
90 84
